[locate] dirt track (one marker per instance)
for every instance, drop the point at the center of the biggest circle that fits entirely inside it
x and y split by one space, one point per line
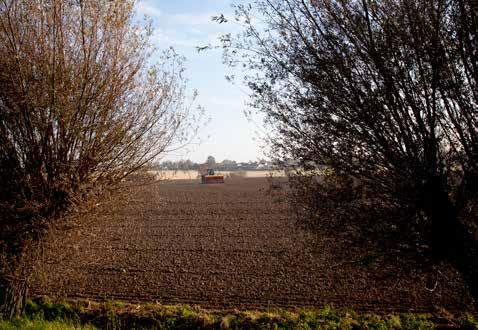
229 245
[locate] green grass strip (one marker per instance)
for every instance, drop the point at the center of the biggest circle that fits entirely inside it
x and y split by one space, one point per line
81 314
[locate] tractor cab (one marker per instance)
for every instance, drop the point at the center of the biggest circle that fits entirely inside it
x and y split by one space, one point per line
210 171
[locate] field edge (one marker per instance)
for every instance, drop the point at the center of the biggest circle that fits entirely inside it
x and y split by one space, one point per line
46 313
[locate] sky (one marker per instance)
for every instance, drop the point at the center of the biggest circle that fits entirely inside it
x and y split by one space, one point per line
184 25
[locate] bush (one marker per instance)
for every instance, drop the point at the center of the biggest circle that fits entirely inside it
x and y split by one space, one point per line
341 206
80 110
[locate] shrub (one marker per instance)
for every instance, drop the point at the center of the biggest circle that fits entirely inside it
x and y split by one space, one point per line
80 110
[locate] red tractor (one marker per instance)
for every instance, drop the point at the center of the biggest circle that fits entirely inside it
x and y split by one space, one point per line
208 176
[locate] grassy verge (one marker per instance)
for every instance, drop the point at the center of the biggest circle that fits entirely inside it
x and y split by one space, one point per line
45 314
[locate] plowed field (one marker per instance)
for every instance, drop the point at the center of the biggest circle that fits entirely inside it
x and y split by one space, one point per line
230 245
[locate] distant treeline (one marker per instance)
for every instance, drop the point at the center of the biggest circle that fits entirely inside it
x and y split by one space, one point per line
225 165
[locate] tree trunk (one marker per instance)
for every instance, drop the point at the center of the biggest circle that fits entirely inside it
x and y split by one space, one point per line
450 239
15 269
13 293
441 211
466 260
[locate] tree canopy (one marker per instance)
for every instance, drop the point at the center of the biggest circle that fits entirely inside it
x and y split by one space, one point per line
382 92
81 108
79 104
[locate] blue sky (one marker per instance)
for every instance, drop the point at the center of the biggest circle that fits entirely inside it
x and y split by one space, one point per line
183 25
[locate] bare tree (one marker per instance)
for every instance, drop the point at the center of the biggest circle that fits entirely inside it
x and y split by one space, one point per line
80 108
382 91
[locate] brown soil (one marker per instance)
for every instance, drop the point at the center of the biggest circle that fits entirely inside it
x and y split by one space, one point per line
231 245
